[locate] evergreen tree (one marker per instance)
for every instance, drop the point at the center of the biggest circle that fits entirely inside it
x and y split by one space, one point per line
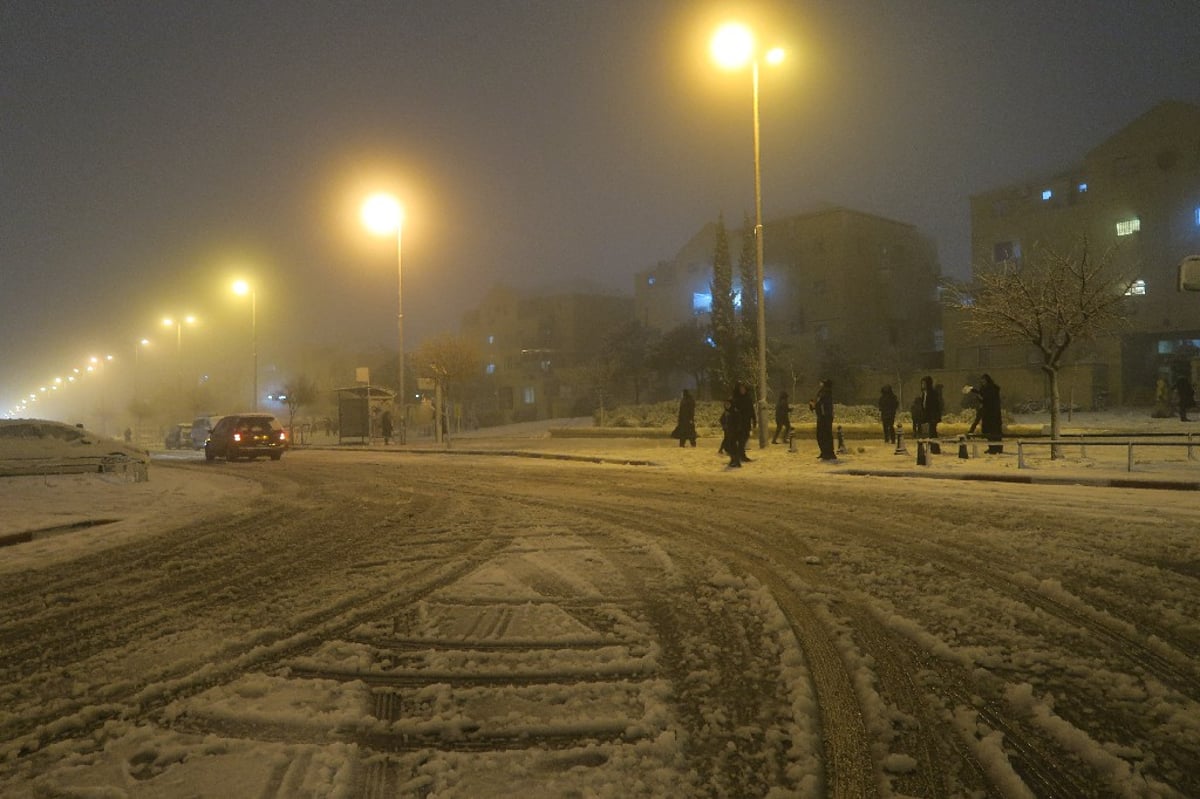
724 320
748 316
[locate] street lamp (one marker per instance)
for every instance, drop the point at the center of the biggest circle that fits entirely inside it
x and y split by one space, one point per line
732 46
137 411
177 323
382 214
242 288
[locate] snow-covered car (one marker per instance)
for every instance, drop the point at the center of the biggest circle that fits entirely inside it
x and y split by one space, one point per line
41 446
246 435
179 436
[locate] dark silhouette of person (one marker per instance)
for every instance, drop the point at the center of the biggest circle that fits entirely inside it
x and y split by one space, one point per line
1186 396
726 427
385 426
889 403
931 412
990 416
783 420
741 416
685 426
822 406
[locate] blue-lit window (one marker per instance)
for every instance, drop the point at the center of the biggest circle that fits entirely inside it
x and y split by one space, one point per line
737 300
490 369
527 395
1047 194
1127 227
1198 216
710 341
650 280
1082 187
1136 289
701 302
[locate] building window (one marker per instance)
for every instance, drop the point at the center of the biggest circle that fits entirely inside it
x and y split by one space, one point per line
1047 194
1197 216
490 369
1082 188
939 340
1127 227
650 280
1136 289
527 395
822 332
702 302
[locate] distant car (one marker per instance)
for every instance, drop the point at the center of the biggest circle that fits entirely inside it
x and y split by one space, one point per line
179 436
246 435
201 427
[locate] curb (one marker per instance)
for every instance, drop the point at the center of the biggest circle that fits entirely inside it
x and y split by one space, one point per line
1030 479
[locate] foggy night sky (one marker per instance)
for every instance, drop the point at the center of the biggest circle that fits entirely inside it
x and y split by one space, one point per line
150 151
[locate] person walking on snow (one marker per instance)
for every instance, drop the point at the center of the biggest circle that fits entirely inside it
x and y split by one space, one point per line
783 421
822 406
685 427
889 403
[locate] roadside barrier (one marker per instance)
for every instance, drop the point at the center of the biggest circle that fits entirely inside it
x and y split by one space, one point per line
1083 444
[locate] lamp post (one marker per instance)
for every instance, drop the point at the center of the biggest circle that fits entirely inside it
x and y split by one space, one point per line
382 214
242 288
137 411
177 323
732 46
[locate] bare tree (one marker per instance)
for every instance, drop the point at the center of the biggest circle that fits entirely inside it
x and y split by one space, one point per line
297 392
1050 299
452 361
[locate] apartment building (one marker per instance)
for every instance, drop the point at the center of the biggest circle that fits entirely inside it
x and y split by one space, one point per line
838 284
1139 190
531 343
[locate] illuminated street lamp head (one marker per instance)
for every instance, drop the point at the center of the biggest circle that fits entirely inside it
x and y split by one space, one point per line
775 55
732 45
382 214
241 288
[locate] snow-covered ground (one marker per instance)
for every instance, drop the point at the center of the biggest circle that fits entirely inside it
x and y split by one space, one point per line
613 618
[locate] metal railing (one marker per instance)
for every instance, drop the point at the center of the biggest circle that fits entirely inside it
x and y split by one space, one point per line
1129 443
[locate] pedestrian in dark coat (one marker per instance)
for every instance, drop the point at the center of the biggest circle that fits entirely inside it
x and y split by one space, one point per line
741 416
1186 396
889 403
685 427
822 406
783 419
726 428
931 411
385 426
991 416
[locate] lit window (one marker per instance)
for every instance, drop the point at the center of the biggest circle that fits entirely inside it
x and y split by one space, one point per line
701 303
737 300
527 395
1128 227
650 280
1047 194
1082 188
1198 216
1136 289
491 369
491 339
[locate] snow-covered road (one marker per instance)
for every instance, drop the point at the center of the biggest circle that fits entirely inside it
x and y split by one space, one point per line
385 624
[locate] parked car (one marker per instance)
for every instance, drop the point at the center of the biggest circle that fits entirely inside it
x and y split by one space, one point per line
179 436
201 427
246 435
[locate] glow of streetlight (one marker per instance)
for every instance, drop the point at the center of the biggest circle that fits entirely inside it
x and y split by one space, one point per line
732 45
382 214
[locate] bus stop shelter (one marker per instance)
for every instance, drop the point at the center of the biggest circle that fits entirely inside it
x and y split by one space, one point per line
359 410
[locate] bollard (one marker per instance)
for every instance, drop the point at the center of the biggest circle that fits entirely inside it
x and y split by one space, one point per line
962 447
841 442
900 448
921 460
791 441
